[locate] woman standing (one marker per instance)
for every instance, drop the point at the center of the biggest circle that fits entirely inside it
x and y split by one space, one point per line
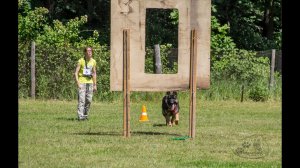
85 76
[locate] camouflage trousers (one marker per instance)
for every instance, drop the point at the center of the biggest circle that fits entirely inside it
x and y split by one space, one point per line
85 95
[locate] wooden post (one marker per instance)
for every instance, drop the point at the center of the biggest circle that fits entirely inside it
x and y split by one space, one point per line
126 83
193 83
157 59
242 94
32 70
272 69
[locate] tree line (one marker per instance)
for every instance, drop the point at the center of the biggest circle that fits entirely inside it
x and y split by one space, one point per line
253 24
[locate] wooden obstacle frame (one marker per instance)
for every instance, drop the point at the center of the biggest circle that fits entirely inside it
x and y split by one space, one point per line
128 52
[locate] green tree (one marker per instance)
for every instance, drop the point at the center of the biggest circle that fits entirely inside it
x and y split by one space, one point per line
30 22
254 25
161 28
97 11
221 42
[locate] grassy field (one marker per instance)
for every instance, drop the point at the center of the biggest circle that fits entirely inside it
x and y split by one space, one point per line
228 134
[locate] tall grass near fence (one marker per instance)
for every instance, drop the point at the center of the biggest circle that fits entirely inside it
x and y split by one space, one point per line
228 134
232 90
220 90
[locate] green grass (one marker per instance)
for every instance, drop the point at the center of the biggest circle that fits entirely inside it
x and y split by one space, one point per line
50 135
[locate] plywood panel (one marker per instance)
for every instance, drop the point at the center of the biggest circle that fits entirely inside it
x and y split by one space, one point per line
131 15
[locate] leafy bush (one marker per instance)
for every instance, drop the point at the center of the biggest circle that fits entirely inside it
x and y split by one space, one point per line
259 93
242 66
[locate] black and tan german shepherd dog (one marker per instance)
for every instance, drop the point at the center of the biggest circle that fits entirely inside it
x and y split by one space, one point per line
170 108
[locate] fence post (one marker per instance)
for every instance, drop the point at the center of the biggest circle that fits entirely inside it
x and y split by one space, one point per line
272 69
32 70
157 59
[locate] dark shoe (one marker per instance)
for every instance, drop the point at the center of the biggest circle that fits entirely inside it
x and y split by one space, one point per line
80 119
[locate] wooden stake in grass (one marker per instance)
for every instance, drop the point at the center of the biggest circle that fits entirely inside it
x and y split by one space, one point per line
126 83
242 94
193 87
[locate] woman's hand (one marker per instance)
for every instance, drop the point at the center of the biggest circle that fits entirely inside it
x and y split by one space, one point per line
94 88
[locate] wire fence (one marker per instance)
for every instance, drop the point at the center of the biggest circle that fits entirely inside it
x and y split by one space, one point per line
173 56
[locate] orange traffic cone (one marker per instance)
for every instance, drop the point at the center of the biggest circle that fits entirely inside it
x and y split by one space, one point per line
143 116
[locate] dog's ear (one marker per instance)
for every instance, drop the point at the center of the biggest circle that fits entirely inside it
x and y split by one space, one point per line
175 94
168 92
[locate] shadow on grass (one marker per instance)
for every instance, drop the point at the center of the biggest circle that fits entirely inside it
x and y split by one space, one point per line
67 118
100 133
132 133
153 133
159 125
